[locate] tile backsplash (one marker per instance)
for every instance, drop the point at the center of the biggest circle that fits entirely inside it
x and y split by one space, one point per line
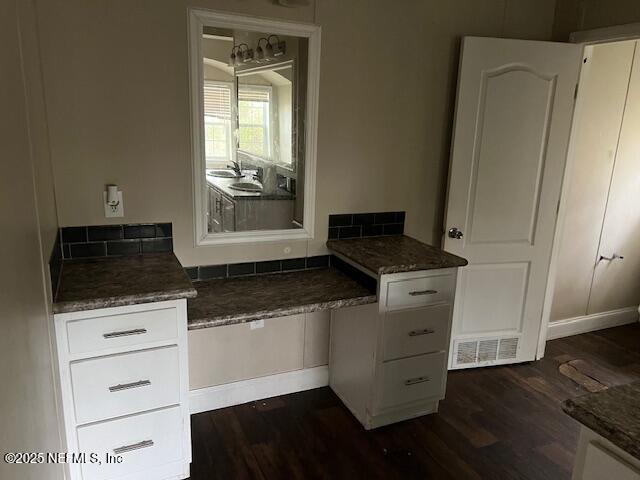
209 272
111 240
355 225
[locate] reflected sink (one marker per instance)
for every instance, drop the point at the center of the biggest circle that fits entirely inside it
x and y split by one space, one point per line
246 187
224 174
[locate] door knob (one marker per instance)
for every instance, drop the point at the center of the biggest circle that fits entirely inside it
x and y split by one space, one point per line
455 233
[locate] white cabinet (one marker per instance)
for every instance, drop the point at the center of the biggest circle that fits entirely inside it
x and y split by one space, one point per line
117 385
597 458
416 331
412 380
388 361
129 330
151 445
124 388
245 213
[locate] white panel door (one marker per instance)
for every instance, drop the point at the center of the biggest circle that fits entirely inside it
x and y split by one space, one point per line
513 117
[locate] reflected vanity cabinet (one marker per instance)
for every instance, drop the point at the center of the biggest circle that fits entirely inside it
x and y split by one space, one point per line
388 361
246 214
123 383
222 212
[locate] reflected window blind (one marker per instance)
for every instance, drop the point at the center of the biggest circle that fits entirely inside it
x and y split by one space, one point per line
217 100
253 95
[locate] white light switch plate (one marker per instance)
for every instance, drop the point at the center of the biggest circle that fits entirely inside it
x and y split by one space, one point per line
256 324
112 212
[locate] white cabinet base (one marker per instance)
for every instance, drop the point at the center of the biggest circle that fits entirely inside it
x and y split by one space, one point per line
597 458
388 361
124 384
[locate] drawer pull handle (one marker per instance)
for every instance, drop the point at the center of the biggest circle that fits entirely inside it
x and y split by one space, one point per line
133 446
125 333
424 331
413 381
422 292
128 386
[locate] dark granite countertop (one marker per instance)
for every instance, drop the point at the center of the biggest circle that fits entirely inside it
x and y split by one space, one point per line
222 184
87 284
235 300
394 254
613 413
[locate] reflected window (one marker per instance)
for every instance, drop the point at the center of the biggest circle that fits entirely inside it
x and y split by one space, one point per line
217 123
254 117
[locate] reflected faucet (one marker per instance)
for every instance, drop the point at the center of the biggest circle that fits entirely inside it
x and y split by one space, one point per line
259 175
236 168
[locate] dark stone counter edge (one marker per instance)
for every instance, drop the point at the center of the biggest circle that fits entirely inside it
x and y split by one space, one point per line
602 428
223 320
121 301
454 262
417 267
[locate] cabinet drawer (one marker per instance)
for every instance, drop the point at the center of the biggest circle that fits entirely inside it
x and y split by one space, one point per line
413 332
144 441
125 330
421 291
412 379
118 385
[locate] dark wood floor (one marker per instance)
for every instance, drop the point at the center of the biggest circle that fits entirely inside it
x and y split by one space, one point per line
500 422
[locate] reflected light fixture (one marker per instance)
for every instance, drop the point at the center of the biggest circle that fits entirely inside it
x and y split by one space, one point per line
264 53
267 49
240 56
246 54
234 57
278 48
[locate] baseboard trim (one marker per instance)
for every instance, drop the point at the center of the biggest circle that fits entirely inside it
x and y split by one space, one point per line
236 393
590 323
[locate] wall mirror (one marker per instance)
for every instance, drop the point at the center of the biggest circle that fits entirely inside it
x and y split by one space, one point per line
254 89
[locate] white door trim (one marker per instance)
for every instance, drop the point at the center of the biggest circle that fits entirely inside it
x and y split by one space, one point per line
630 31
560 219
591 323
617 33
236 393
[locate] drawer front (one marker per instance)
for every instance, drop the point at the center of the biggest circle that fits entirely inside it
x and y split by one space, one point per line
416 292
126 330
144 441
412 379
118 385
413 332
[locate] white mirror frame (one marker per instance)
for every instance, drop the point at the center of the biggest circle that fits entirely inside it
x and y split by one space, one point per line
197 20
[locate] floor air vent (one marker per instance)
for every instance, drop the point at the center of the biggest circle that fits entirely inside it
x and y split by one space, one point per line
466 352
508 348
485 351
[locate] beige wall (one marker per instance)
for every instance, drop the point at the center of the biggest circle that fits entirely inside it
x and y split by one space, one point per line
215 49
28 421
575 15
387 154
243 352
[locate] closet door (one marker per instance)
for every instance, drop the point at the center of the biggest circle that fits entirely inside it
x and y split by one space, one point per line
616 281
603 92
